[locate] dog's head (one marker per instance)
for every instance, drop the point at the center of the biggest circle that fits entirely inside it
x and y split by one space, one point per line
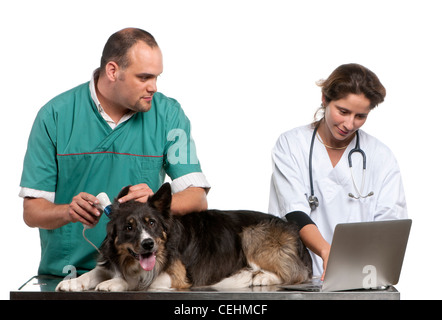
137 231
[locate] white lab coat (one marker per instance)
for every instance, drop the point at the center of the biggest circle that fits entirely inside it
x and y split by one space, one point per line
290 185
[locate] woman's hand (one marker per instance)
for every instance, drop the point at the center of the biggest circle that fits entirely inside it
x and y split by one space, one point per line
312 239
324 255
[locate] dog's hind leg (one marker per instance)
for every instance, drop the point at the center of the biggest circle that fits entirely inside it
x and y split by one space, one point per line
271 248
241 279
264 278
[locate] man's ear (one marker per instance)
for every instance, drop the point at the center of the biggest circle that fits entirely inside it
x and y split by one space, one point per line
112 69
162 199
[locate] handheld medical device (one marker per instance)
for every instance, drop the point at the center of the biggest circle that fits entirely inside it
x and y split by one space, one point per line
105 206
312 199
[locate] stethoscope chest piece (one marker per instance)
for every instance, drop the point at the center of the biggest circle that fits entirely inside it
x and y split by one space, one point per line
313 202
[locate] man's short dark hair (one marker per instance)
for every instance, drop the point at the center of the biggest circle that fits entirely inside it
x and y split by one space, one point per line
120 42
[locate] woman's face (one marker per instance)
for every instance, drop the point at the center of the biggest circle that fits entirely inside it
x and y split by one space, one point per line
344 116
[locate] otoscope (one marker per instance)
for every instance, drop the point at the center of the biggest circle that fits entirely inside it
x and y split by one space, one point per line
105 206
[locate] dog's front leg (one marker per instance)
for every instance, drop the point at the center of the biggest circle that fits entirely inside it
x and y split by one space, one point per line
163 281
87 281
114 284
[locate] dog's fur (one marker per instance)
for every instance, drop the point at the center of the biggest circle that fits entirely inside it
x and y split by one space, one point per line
146 247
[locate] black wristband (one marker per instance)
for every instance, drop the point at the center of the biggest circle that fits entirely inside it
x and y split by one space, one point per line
300 218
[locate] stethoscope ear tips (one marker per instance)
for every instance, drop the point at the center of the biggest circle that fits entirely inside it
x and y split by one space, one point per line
351 195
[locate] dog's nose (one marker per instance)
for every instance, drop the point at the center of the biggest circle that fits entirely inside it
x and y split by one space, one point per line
147 244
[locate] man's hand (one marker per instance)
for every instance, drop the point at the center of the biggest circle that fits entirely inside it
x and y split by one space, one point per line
140 192
186 201
41 213
82 209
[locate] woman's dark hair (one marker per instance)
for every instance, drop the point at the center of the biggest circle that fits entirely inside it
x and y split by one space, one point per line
120 42
352 78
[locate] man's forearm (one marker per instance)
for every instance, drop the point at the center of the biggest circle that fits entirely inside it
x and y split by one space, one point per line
189 200
40 213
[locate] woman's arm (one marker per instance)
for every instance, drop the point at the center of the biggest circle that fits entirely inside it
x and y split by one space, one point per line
313 240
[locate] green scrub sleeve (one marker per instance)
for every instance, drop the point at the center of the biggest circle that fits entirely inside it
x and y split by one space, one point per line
40 164
180 156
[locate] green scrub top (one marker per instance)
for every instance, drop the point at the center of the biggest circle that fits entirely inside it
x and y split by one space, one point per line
72 149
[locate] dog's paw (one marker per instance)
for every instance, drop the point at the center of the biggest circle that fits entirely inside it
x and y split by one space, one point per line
115 284
84 282
265 279
163 281
75 284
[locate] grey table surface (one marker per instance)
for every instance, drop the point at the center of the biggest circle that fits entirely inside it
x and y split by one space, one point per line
43 288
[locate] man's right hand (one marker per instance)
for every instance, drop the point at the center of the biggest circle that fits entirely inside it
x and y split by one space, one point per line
41 213
82 209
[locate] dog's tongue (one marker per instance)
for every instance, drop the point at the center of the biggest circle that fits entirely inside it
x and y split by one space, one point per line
147 262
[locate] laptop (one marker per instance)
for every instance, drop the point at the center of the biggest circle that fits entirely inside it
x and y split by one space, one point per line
363 255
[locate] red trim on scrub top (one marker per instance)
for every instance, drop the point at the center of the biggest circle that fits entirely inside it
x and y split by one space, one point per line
125 154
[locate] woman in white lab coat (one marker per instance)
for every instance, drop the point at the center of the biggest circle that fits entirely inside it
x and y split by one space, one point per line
348 96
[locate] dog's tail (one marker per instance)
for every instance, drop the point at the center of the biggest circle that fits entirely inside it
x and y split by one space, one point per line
275 246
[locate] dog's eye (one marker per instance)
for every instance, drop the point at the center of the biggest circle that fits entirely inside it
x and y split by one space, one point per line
151 222
129 227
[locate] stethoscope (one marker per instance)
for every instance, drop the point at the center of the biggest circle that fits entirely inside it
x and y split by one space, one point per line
312 199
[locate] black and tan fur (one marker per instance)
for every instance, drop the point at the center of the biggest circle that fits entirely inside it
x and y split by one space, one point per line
211 248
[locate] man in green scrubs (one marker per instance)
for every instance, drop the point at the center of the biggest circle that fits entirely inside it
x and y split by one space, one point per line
113 131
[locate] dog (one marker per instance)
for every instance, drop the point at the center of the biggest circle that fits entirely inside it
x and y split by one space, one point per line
148 247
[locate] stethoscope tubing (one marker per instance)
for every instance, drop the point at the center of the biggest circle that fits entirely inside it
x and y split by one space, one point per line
312 199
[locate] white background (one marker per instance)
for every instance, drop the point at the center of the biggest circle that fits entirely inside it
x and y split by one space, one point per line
244 72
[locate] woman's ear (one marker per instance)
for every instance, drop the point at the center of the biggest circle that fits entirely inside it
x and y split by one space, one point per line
324 103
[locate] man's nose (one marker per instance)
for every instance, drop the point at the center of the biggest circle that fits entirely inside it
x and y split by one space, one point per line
152 86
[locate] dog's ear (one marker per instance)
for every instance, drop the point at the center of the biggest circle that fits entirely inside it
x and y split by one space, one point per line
124 191
162 198
107 246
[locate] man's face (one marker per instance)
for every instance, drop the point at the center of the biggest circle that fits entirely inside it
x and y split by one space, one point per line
136 85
